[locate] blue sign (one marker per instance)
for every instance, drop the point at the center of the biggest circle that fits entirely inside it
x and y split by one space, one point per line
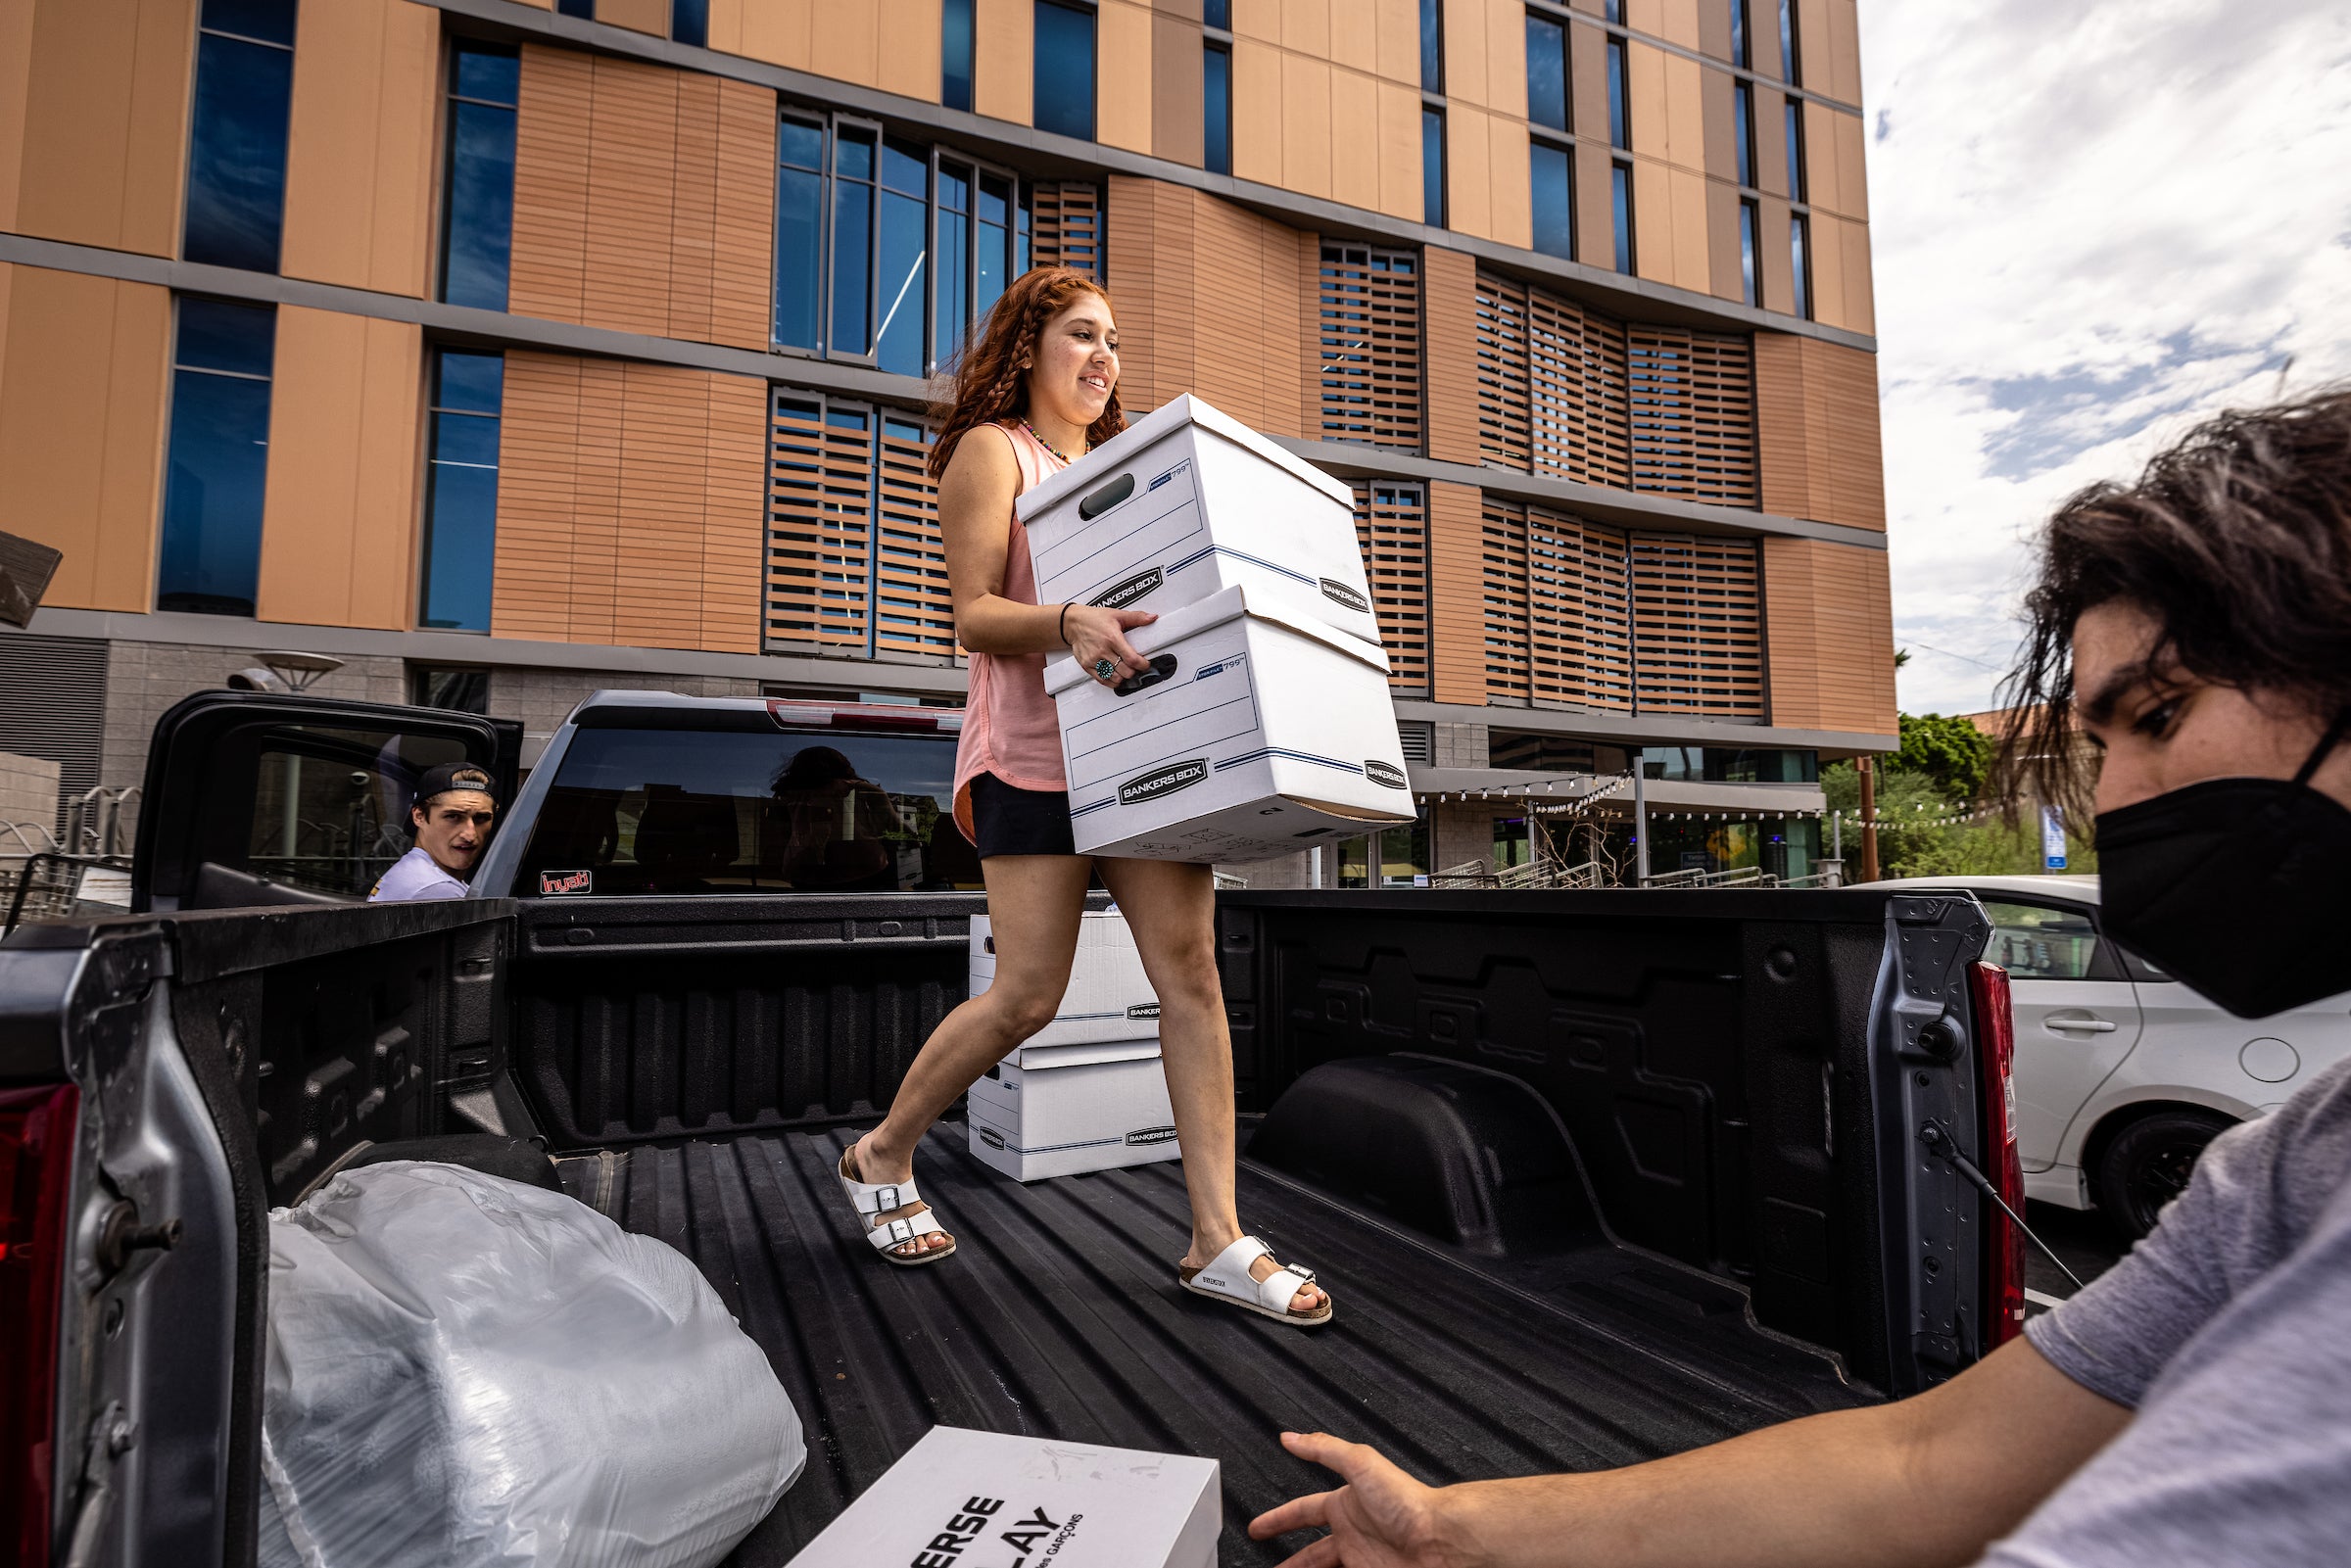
2052 838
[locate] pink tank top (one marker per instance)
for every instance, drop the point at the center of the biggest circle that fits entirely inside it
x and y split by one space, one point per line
1009 725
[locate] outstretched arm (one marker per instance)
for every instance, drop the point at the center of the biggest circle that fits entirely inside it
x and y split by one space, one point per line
1929 1480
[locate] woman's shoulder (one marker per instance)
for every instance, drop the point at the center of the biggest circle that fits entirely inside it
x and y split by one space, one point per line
987 455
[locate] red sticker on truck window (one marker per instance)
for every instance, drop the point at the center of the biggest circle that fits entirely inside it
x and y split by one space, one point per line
565 882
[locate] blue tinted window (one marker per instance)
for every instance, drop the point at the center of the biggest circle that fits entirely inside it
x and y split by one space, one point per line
1742 131
1795 117
1545 73
852 242
217 463
1432 168
799 232
1739 48
1620 194
1065 70
461 507
1552 190
477 234
577 8
905 182
955 54
954 256
238 134
689 22
1788 41
991 260
1218 13
1216 109
1799 263
1748 249
1432 46
1620 125
1614 12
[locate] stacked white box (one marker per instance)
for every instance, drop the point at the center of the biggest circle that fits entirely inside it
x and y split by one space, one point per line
1187 502
988 1500
1064 1109
1109 997
1260 730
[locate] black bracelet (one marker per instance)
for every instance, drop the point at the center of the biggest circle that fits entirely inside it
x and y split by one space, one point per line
1062 626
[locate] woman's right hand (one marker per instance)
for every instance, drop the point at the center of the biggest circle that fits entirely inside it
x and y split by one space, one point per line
1096 634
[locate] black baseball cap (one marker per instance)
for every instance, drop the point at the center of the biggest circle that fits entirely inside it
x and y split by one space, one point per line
442 779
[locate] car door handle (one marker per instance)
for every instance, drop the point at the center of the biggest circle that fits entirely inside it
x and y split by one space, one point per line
2085 1026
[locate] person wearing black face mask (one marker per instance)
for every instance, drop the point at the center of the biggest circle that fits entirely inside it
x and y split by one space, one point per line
2194 1403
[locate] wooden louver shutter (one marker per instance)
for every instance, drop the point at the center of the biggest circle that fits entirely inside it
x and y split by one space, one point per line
1698 625
1504 583
1502 392
914 613
1068 229
1391 525
1368 346
1693 399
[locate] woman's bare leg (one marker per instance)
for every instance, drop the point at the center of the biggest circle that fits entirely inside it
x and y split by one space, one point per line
1172 908
1037 899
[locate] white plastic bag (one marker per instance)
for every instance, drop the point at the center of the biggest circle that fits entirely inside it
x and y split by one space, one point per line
467 1372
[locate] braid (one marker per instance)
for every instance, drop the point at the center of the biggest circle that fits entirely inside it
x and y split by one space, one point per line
988 375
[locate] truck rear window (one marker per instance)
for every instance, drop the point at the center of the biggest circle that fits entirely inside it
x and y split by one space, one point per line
677 811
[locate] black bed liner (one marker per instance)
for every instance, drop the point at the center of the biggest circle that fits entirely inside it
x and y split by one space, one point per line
1060 1316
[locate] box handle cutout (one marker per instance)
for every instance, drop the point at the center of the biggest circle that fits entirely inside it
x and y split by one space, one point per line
1162 666
1109 495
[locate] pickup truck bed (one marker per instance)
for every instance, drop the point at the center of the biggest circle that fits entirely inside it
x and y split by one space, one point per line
1060 1316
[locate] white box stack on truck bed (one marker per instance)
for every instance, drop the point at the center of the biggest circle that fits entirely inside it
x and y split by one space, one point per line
1187 502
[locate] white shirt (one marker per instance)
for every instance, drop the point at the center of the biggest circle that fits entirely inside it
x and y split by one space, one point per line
415 874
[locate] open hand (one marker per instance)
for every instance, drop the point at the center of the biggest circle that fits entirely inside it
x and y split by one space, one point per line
1096 634
1381 1518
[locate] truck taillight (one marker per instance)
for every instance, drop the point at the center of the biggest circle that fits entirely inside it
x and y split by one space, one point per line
2003 1240
36 1178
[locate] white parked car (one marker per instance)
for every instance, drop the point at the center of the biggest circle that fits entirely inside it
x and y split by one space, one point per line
2123 1073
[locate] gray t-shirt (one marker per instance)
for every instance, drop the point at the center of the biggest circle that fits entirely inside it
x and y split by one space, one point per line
2229 1332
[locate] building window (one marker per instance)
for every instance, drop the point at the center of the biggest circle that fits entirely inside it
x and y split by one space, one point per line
1620 192
460 507
1750 247
856 565
1795 120
477 234
1788 70
1551 176
955 54
458 690
1432 46
237 133
1065 70
585 10
1217 13
1620 114
1800 262
1742 53
1613 13
1742 131
1216 109
689 22
1545 71
895 252
218 461
1432 168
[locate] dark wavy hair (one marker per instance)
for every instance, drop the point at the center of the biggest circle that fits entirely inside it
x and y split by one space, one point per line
2236 542
990 375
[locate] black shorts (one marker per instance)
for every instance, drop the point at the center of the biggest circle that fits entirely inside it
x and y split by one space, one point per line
1007 819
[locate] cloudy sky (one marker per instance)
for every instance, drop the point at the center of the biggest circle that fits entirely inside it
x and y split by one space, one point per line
2093 223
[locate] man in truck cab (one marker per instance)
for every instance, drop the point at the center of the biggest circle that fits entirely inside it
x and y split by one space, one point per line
2194 1403
450 817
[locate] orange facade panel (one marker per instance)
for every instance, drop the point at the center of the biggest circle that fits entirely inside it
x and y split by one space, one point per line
1450 358
93 119
84 368
359 145
643 199
1457 611
1818 451
1829 619
630 504
339 510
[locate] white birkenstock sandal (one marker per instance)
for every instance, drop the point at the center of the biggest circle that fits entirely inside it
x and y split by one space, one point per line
1225 1278
871 1198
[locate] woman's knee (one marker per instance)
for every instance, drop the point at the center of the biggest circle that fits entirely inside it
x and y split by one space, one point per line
1019 1013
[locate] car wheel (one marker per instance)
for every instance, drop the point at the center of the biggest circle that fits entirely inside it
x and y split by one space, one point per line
2148 1162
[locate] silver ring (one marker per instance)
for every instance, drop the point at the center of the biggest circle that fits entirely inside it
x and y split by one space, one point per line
1104 668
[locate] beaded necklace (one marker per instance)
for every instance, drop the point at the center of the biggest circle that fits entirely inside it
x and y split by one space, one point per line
1042 442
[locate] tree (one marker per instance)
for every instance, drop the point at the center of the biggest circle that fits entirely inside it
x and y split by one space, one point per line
1951 754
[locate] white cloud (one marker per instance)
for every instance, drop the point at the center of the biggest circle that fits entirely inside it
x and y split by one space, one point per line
2091 225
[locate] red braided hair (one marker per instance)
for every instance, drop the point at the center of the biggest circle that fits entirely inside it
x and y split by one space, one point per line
990 380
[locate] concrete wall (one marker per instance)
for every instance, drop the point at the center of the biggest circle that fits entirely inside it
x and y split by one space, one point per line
27 794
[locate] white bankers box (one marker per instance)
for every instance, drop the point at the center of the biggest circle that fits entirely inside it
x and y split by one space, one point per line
1064 1109
1187 502
1257 731
1109 998
960 1499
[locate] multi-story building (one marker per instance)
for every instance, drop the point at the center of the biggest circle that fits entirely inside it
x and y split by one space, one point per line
507 349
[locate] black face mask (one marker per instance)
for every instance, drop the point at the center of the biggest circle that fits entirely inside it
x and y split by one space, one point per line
2234 887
